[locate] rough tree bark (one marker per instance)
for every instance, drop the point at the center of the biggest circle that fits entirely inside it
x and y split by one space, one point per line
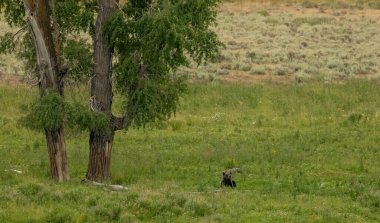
101 97
50 78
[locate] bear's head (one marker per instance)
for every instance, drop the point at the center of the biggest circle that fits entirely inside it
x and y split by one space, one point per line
227 176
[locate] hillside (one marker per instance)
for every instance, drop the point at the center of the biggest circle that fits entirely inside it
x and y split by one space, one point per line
283 42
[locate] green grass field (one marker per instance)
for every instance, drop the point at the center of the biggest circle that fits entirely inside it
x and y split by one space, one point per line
309 153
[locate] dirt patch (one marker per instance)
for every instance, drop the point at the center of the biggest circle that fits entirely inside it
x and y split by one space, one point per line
233 7
241 77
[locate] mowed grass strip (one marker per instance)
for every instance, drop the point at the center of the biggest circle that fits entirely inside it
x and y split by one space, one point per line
308 153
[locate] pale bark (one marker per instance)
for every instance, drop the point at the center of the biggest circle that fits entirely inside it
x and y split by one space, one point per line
38 18
50 78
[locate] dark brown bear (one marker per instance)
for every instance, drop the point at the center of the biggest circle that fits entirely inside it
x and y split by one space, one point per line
227 180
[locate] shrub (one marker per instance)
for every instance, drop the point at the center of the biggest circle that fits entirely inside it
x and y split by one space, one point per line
374 5
259 70
246 67
354 118
281 71
251 55
263 13
226 66
301 76
272 21
309 4
222 72
312 21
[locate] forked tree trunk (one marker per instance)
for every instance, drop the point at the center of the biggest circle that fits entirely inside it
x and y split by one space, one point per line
101 97
100 156
50 78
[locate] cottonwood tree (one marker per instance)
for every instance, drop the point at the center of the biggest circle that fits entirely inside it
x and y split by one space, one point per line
137 48
45 45
148 40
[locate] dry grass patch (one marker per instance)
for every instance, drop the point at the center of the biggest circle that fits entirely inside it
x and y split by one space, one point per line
304 43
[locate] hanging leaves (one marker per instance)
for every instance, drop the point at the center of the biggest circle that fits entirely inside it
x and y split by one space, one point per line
51 112
151 40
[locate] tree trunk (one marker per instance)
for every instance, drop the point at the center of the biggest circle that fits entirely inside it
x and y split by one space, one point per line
57 154
38 16
100 156
101 97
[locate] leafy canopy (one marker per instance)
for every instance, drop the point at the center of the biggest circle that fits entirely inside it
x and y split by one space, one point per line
151 40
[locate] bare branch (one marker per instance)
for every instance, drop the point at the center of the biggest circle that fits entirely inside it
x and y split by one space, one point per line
19 31
15 34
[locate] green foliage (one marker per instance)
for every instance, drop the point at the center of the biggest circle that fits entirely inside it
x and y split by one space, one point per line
78 116
151 40
6 44
77 55
46 112
154 100
354 118
51 112
374 5
14 12
74 16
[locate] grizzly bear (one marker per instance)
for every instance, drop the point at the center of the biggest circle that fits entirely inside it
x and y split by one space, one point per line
227 177
227 180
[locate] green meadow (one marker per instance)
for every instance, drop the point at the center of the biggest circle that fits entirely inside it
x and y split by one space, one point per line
308 153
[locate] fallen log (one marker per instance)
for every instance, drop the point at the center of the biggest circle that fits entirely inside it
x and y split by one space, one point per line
113 187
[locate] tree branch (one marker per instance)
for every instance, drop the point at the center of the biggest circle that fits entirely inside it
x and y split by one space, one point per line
119 123
20 30
15 34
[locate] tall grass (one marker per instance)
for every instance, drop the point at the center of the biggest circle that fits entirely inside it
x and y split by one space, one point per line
309 153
